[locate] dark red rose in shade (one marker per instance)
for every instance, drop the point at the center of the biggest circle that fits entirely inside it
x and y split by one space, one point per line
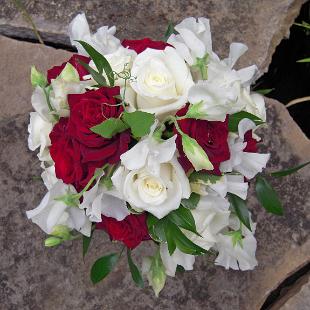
75 149
211 136
55 71
131 230
251 143
141 45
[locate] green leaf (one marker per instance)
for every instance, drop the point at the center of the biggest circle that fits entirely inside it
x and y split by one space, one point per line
135 273
139 122
97 77
151 221
264 91
304 60
37 78
169 237
170 30
102 267
184 219
283 173
239 206
191 202
100 61
109 128
86 243
205 178
181 241
234 120
267 196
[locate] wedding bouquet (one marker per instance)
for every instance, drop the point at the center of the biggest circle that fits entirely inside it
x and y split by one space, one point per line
151 141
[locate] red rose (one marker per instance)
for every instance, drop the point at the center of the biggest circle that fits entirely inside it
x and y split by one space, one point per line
141 45
211 136
75 149
131 230
55 71
251 143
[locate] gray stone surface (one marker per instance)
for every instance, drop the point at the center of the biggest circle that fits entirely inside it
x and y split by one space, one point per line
295 297
260 24
33 277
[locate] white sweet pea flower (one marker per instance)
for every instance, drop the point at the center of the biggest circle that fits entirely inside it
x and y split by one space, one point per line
103 40
68 82
39 130
211 216
239 256
248 164
221 93
151 178
98 200
51 212
162 80
194 39
49 177
39 103
177 258
226 184
254 103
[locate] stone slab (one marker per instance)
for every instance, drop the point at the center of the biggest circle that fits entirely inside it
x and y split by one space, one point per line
259 24
33 277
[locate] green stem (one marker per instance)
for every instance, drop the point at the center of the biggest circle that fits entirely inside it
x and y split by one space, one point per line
28 18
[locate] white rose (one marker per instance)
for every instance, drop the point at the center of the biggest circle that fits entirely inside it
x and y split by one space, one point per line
103 40
246 163
39 130
51 212
151 178
193 39
162 80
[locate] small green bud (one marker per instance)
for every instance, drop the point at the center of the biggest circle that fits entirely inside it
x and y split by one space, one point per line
195 154
52 241
202 65
37 78
70 200
69 74
236 237
197 111
61 231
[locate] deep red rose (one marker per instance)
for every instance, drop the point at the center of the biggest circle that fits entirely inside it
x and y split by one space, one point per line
251 143
141 45
75 149
55 71
131 231
211 136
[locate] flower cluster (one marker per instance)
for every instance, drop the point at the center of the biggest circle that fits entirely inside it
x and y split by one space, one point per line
149 140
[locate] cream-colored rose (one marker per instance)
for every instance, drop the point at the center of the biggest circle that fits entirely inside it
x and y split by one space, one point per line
161 81
151 178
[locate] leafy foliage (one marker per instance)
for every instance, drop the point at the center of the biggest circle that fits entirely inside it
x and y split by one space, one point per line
170 30
267 196
135 273
100 61
238 205
191 202
283 173
139 122
110 127
103 266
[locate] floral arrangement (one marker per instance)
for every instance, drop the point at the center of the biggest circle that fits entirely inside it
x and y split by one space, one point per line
151 141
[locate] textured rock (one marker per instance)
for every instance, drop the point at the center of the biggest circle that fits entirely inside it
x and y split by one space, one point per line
33 277
259 24
295 297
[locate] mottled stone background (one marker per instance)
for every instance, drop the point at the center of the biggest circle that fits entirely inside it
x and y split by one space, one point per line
33 277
